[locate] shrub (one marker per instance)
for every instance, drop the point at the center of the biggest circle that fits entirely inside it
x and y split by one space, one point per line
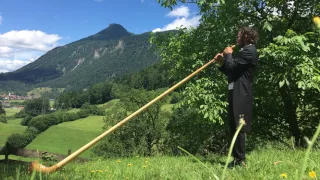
21 114
175 98
52 119
93 109
3 118
2 111
83 113
39 123
31 133
188 130
17 141
25 121
72 116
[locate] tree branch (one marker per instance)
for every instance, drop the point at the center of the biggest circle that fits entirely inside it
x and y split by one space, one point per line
294 15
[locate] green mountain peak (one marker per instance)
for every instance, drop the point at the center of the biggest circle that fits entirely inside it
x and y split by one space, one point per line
113 31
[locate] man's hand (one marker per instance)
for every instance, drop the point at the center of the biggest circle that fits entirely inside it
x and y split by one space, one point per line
228 50
219 58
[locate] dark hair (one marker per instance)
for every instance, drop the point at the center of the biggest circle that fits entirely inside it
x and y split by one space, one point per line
250 33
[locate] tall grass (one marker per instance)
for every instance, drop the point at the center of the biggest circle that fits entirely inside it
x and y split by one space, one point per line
265 163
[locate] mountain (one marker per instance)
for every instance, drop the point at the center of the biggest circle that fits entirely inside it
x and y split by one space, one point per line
112 52
114 31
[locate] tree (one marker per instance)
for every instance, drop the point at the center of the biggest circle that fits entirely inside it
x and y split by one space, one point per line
144 134
293 63
2 111
289 47
3 118
37 106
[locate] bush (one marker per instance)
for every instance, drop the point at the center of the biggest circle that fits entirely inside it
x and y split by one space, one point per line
3 119
2 111
72 116
52 119
188 130
93 109
21 114
39 123
175 98
31 133
83 113
25 121
17 141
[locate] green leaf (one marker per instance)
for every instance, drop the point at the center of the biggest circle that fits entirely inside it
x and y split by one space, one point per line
206 115
287 82
281 83
267 26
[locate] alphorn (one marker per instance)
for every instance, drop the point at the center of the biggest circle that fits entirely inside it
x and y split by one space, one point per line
41 168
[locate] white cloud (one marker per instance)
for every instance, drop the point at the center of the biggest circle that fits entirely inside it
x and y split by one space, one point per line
182 11
0 20
183 19
18 48
180 22
27 39
11 65
5 51
156 30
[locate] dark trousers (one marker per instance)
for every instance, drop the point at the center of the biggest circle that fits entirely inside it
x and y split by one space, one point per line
238 151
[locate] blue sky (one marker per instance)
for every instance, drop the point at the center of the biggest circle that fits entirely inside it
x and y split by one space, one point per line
29 28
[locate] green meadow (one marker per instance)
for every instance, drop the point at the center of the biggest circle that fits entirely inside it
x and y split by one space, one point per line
13 126
267 162
11 111
68 135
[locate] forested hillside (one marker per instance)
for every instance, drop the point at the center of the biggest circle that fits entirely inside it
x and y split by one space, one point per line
110 53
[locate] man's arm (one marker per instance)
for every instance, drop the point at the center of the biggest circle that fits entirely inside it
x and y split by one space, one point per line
223 69
239 64
219 59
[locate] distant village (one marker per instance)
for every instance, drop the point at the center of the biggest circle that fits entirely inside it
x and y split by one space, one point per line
6 98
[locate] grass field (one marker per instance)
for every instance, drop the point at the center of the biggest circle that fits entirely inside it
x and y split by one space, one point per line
51 103
6 130
266 162
263 163
11 111
73 135
15 121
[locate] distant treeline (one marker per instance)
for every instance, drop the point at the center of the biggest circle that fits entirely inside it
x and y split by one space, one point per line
151 78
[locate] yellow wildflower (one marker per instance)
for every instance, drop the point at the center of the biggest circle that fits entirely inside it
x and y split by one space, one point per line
129 165
312 174
316 20
93 171
118 161
284 175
